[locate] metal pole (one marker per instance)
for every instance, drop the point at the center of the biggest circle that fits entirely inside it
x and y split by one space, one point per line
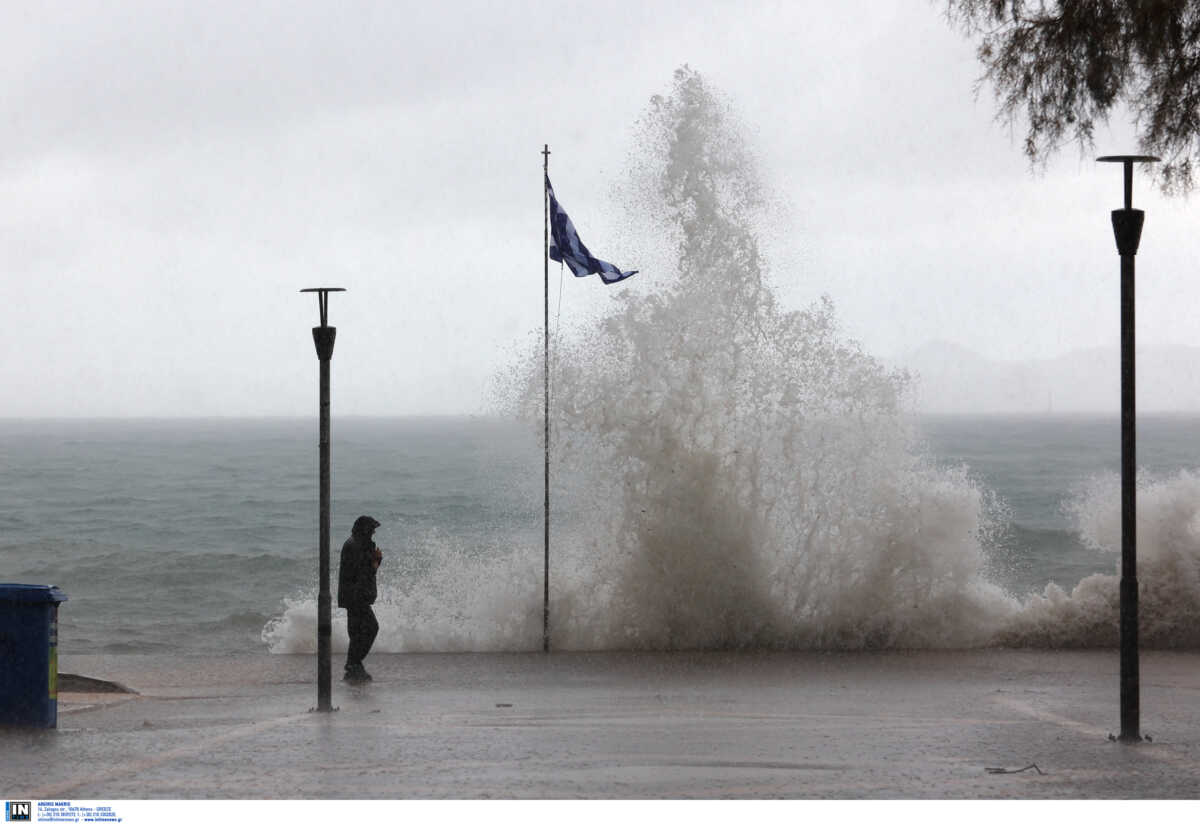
323 337
546 405
323 599
1127 229
1130 678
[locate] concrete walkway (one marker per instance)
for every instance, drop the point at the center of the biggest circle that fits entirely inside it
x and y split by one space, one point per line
618 725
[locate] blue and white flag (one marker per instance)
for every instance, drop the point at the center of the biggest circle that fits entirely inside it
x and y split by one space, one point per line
566 247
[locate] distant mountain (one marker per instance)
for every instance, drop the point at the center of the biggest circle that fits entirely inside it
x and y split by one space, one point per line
949 378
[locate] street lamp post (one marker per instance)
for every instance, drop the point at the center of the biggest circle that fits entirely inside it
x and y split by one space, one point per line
323 337
1127 228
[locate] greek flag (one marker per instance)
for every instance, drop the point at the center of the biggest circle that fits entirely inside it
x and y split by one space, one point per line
566 247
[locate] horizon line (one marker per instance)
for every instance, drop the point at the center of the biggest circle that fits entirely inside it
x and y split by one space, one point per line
932 413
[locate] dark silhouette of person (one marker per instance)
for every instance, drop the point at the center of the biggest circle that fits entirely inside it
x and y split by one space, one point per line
356 593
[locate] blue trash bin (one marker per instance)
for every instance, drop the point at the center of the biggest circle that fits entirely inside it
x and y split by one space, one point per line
29 654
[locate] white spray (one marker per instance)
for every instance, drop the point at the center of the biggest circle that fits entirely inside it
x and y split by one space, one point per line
755 477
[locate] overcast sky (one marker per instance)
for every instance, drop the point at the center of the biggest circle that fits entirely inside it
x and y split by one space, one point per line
173 174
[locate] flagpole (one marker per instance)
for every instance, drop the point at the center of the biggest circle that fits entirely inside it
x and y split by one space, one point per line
546 406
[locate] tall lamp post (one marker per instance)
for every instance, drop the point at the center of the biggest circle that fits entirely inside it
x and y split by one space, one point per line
1127 228
323 337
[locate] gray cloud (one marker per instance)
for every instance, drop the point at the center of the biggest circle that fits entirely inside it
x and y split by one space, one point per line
174 173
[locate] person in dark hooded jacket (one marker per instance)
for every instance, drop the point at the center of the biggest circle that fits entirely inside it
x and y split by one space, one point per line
356 593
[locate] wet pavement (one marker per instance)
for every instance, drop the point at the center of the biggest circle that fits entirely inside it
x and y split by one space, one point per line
618 725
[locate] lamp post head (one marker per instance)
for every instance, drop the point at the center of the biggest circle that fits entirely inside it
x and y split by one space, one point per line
1128 159
323 335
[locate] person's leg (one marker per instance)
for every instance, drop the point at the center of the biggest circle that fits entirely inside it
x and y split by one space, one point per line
362 627
355 629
